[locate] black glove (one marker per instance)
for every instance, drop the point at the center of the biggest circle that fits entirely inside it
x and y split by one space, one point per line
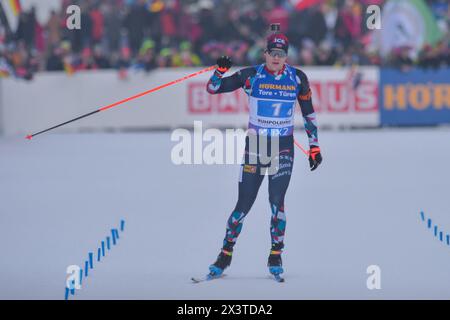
315 158
224 63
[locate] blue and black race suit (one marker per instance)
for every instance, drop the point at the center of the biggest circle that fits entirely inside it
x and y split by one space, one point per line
272 99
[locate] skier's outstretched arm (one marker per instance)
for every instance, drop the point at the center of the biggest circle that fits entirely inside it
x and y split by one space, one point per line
309 120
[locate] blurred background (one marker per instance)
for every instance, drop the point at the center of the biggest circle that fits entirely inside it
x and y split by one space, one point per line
360 76
149 34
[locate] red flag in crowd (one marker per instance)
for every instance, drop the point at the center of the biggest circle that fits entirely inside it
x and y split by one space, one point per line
303 4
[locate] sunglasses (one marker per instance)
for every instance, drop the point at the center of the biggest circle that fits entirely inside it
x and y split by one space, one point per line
279 53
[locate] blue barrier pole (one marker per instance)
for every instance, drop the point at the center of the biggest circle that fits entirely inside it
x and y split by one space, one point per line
113 235
91 260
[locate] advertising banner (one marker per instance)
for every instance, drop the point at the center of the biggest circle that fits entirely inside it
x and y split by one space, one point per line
415 98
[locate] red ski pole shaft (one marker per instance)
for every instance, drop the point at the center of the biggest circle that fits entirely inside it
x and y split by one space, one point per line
124 100
29 137
301 148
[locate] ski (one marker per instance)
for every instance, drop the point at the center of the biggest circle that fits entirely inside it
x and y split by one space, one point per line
208 277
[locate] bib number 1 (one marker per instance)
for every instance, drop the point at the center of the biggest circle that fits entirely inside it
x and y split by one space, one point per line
276 110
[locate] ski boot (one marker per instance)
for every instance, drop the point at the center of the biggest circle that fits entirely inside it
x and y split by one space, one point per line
275 264
223 261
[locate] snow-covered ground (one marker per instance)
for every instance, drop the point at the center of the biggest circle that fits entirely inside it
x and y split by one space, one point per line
60 194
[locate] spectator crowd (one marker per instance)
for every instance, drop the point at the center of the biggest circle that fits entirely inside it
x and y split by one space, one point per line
147 34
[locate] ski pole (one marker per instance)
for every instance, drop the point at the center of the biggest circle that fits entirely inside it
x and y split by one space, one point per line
123 101
30 136
301 148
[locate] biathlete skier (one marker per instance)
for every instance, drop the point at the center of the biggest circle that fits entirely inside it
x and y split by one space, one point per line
273 88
